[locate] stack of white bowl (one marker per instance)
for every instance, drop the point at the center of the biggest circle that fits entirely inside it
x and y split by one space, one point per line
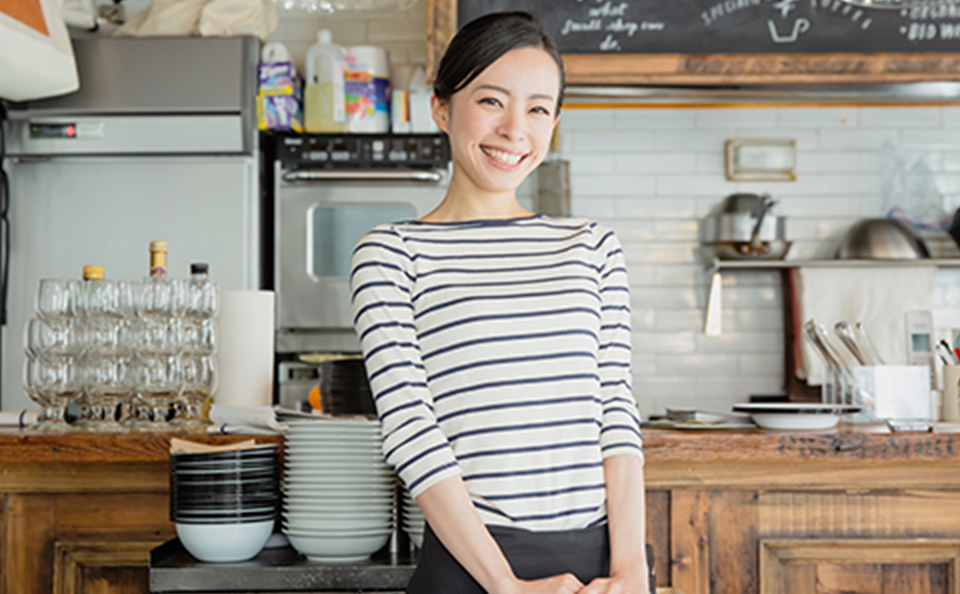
413 521
338 493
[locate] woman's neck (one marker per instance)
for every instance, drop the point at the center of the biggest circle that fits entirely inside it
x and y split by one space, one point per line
467 202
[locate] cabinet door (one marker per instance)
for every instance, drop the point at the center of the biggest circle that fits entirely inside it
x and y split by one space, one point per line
866 566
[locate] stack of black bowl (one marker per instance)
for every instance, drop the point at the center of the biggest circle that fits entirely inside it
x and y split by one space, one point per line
225 504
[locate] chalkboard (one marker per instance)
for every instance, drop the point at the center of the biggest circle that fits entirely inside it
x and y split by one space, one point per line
733 26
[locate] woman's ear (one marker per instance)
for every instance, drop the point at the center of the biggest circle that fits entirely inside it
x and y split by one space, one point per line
441 112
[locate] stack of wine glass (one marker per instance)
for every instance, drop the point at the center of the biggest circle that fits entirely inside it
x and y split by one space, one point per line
149 344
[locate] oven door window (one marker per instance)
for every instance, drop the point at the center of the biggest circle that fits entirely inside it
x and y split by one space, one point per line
334 230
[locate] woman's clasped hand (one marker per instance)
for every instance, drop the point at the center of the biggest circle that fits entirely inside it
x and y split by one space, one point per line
568 583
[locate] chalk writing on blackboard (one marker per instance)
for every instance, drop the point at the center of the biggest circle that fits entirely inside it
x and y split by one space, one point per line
733 26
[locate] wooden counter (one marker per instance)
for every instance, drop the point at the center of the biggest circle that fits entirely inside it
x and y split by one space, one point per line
728 512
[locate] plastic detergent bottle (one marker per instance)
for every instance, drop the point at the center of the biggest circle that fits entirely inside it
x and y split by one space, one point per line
323 98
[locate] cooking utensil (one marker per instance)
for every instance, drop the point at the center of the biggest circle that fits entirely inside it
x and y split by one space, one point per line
744 250
848 339
743 228
881 239
766 203
867 343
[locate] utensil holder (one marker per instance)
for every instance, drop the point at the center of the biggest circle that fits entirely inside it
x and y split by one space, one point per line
951 393
893 391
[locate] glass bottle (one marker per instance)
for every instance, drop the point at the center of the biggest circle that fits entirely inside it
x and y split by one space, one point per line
155 368
199 342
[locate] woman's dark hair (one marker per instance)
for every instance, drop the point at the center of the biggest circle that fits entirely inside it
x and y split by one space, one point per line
482 41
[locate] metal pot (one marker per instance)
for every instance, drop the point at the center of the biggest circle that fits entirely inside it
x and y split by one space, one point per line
882 239
742 227
737 216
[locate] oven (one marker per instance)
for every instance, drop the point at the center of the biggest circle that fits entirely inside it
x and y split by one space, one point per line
329 190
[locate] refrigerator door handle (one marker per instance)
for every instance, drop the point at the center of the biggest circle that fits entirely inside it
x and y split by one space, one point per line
363 175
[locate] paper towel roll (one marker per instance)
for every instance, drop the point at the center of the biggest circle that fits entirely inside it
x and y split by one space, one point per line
246 349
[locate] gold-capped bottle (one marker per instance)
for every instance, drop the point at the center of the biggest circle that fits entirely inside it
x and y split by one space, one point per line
158 259
93 273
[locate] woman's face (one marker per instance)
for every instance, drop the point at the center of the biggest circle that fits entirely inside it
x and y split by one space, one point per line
501 123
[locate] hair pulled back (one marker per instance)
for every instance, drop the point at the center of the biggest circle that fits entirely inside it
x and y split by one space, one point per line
482 41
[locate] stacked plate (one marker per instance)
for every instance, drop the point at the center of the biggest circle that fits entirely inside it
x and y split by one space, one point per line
338 493
225 504
413 521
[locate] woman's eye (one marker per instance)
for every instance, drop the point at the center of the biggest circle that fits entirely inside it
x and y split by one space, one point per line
541 110
490 101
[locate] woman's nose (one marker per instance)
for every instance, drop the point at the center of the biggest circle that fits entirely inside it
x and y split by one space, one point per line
511 125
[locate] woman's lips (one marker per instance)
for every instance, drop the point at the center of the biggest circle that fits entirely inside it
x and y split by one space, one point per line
503 159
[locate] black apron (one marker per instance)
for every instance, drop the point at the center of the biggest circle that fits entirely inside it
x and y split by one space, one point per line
533 555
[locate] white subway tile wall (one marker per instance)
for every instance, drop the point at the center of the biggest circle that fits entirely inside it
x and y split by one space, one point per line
402 33
652 174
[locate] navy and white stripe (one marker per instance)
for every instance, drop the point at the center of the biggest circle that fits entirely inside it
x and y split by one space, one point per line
500 350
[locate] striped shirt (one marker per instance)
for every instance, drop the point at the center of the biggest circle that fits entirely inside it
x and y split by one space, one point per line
500 350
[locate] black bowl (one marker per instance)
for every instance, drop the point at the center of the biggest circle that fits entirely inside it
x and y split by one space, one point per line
264 451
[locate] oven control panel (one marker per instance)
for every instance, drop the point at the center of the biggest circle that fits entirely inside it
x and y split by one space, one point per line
363 151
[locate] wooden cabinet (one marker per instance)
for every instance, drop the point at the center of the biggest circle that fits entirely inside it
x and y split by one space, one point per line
81 512
745 512
762 513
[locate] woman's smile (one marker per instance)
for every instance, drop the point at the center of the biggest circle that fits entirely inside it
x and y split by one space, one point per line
502 158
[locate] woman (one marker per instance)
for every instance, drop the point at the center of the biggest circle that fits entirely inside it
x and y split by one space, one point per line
497 343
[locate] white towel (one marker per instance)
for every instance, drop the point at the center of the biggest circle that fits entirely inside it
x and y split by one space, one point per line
877 297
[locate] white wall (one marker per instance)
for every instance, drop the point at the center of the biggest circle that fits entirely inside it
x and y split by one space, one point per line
403 33
652 174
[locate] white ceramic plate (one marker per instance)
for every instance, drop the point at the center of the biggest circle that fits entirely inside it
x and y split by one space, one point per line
329 430
329 504
298 524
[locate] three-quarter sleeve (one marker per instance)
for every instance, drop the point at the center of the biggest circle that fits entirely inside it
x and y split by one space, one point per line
620 428
381 283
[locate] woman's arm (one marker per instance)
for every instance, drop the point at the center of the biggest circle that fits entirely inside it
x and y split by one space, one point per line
626 511
447 507
620 438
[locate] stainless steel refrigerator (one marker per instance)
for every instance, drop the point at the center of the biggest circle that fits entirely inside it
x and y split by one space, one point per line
159 143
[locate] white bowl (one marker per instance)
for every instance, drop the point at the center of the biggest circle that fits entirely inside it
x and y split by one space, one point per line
795 415
224 543
338 549
787 421
416 537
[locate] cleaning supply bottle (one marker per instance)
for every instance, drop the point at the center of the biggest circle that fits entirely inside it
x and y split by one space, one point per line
323 100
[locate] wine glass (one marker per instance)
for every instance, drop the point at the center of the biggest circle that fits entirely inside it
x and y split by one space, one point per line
57 299
58 337
157 381
52 383
109 383
199 379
